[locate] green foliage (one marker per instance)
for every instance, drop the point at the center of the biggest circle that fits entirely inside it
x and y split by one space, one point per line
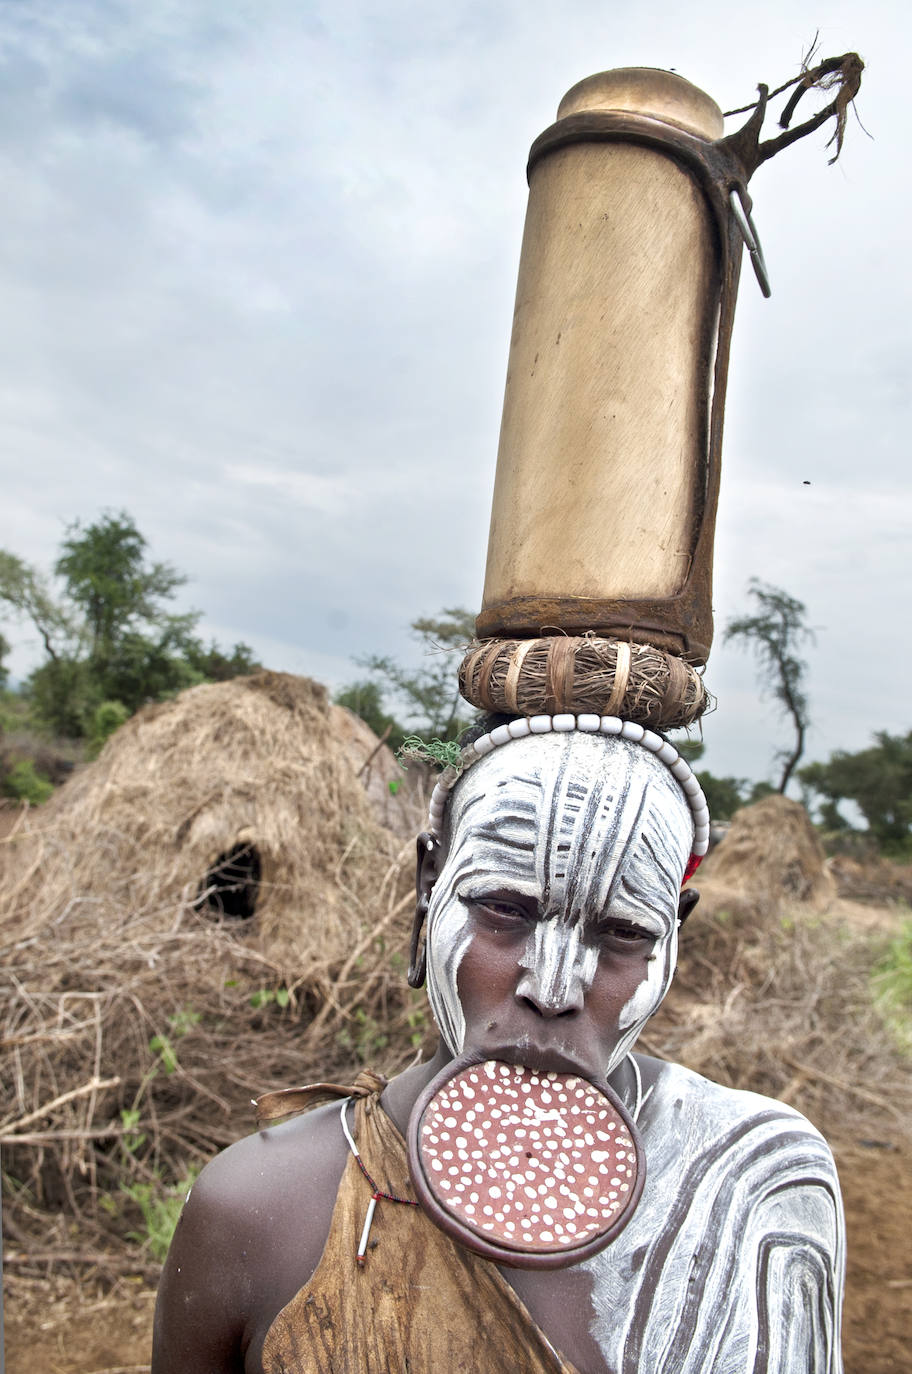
132 1139
264 997
108 635
427 700
26 784
878 780
107 577
363 1036
775 633
107 718
160 1206
892 982
26 595
167 1058
724 796
213 664
365 699
4 671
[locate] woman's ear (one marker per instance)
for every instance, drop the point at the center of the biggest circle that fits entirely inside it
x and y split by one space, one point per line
425 878
686 903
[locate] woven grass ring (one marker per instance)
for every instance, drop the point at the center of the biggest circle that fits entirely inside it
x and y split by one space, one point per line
526 677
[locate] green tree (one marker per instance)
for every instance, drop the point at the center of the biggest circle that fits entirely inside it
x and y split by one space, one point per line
26 595
724 796
775 632
109 636
426 699
878 780
108 577
365 699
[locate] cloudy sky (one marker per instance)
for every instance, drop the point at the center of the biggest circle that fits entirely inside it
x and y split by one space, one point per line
257 269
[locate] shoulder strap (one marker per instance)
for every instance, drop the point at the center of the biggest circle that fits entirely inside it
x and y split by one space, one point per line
275 1106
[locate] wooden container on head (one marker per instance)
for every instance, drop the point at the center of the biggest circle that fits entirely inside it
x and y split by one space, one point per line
607 472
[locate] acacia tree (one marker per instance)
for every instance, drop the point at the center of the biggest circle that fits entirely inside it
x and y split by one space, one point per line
775 632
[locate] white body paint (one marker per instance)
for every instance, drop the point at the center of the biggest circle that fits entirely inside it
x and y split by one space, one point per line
741 1209
733 1260
583 824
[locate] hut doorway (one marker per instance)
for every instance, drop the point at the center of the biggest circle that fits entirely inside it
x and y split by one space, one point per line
231 887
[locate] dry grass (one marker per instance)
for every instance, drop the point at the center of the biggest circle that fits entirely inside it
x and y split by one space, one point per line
135 1027
774 990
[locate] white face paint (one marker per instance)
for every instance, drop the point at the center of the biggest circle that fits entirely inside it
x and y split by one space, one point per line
587 830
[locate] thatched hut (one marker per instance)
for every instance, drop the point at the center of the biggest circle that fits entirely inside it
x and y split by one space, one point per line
234 801
218 871
772 853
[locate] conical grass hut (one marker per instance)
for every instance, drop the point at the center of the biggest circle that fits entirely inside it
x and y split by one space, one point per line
219 871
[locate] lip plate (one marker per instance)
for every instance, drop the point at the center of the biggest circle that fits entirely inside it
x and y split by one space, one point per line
514 1256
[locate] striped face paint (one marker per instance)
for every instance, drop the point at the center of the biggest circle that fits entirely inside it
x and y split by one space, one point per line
581 841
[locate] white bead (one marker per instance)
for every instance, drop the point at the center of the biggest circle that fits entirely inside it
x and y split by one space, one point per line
587 722
700 847
632 732
483 746
563 723
668 754
692 787
651 741
610 725
501 735
701 833
540 725
701 815
518 729
681 770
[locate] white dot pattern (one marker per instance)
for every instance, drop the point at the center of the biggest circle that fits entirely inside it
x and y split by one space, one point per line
535 1161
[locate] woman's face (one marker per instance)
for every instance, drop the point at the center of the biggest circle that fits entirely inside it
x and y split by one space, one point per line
552 926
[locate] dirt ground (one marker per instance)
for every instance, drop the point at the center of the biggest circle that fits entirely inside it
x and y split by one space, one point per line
57 1329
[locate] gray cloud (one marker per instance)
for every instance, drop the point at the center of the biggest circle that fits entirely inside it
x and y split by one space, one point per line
258 269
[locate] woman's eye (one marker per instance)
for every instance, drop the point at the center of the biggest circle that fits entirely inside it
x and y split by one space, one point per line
498 908
627 935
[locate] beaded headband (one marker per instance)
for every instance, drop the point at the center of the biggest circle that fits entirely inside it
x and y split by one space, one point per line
594 725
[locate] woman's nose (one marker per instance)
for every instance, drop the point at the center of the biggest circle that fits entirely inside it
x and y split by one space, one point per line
555 969
555 993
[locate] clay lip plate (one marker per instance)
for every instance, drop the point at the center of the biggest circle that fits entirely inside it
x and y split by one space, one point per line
532 1167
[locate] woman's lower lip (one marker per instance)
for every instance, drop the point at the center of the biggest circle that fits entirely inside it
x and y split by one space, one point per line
545 1059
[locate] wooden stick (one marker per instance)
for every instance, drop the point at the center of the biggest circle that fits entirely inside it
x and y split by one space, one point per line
93 1086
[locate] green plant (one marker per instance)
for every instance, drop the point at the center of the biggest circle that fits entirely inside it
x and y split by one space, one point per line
131 1140
107 718
363 1036
183 1020
264 997
161 1045
416 1020
160 1206
26 784
892 982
